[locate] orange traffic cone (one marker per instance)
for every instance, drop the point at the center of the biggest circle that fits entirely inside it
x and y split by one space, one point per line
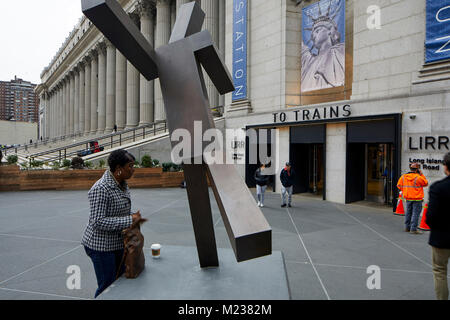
423 225
400 211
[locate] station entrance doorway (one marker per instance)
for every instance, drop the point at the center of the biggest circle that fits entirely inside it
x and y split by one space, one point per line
379 181
372 162
307 156
307 162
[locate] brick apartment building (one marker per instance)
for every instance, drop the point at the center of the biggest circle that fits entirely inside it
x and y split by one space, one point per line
18 101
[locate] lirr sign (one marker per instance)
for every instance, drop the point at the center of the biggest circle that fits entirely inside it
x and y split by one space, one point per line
240 49
437 43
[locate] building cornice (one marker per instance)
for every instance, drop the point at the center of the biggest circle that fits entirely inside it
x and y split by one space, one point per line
80 41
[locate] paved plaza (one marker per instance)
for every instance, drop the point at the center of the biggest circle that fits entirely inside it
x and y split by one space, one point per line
327 247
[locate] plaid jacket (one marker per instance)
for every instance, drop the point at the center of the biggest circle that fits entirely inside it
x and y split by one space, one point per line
110 214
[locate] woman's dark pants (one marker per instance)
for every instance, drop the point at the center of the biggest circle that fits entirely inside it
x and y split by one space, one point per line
106 265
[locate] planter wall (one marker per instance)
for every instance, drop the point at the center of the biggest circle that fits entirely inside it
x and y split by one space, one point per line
13 179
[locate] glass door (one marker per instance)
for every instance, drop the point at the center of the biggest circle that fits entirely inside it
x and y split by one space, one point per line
379 173
316 172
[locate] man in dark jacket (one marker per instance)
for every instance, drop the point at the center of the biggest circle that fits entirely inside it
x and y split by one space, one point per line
438 219
287 184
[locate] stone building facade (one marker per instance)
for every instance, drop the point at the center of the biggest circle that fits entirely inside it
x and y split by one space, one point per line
352 142
89 86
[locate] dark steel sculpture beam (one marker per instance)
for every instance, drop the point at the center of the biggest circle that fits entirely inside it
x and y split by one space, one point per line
249 233
178 66
189 21
200 206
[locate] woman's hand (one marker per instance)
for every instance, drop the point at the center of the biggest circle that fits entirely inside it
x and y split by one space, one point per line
136 216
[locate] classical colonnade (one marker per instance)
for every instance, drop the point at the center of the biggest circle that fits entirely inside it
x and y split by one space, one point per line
103 89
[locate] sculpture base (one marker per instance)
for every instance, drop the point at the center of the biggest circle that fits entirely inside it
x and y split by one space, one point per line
176 275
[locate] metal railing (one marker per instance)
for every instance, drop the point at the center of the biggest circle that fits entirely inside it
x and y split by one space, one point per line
38 143
217 112
105 141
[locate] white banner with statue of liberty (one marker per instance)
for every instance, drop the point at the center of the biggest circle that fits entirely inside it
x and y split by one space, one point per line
323 46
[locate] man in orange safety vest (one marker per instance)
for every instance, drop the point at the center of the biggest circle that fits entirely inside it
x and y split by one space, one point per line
411 185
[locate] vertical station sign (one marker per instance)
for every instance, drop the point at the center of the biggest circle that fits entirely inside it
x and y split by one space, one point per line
437 43
240 49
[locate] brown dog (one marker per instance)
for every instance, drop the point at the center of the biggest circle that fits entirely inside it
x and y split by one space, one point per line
133 255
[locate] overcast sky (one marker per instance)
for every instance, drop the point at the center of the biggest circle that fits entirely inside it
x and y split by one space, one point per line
31 32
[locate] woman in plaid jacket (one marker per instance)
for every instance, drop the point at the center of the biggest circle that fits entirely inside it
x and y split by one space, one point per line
110 204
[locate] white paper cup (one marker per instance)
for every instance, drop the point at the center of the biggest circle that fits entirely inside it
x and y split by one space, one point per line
156 250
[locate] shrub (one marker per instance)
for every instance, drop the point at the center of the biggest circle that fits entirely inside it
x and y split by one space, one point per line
176 167
77 163
36 164
166 166
101 163
66 163
12 159
172 167
88 164
155 163
146 161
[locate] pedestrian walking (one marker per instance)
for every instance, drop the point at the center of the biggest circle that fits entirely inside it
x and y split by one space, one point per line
411 185
287 184
438 219
261 184
110 204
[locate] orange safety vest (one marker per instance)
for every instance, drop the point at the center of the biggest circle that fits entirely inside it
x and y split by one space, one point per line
411 185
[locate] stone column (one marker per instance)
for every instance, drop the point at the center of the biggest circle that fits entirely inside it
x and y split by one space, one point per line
45 127
211 9
81 101
146 107
72 102
110 87
94 91
56 111
63 107
173 14
133 78
76 99
60 109
161 38
121 90
44 121
87 95
67 106
51 114
47 110
54 120
101 87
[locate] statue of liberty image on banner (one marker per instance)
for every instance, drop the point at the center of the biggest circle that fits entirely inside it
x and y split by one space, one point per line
323 46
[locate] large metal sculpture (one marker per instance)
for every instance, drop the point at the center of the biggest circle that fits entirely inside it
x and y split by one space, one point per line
178 67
